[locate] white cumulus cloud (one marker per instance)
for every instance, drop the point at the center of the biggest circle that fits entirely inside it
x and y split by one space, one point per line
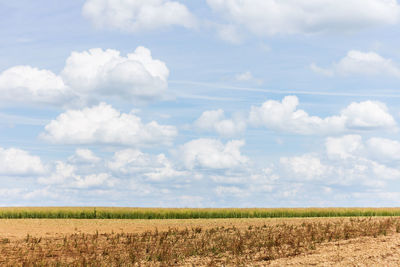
106 73
357 159
133 162
360 63
84 156
307 167
14 161
214 120
104 124
164 169
343 147
137 15
284 116
269 17
347 161
88 76
129 161
25 84
212 154
367 115
66 175
384 149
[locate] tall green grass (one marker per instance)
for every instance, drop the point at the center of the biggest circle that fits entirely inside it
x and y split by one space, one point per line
187 213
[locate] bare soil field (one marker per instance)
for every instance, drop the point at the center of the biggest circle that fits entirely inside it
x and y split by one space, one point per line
364 251
20 228
201 242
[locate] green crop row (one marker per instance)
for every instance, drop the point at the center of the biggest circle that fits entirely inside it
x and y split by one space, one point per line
187 213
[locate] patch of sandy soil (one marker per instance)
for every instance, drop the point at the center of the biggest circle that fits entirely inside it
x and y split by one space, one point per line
360 252
19 228
365 251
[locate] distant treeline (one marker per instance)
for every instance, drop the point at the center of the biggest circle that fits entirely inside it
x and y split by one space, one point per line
187 213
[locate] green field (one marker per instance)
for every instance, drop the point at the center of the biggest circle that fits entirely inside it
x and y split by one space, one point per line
187 213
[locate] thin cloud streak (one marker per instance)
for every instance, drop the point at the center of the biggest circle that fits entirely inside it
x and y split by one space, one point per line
203 97
21 120
281 92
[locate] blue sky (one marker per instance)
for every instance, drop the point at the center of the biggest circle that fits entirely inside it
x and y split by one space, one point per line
217 103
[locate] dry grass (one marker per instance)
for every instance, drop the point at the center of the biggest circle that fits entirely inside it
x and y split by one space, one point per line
214 247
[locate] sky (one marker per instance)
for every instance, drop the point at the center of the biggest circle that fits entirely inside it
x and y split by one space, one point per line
213 103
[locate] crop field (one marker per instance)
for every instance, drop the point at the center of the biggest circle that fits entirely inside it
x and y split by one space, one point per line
201 242
187 213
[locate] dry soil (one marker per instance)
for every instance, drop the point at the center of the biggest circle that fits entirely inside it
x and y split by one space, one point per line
365 251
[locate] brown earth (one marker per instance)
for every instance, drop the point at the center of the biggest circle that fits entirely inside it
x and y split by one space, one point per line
20 228
360 252
363 251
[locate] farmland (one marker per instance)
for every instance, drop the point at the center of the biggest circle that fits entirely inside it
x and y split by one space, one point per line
187 213
199 242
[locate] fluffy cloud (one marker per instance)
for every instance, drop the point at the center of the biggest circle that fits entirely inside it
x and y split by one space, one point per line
307 166
212 154
343 147
88 76
367 115
164 170
353 146
66 175
347 161
94 180
136 163
104 124
127 168
26 84
107 73
384 172
214 120
358 157
138 15
61 171
129 161
384 149
284 116
269 17
84 156
357 62
15 161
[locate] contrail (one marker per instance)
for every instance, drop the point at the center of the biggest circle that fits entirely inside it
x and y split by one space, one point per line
282 92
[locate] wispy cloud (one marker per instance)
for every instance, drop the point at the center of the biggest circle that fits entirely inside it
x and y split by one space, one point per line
283 92
21 120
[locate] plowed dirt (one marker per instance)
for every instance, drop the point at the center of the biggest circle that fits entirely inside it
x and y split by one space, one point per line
364 251
20 228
